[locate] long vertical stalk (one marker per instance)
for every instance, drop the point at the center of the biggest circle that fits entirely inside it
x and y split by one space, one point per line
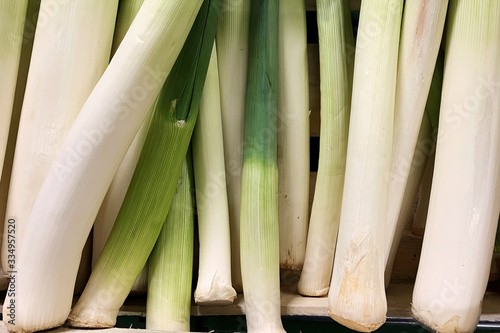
421 33
260 264
214 276
171 261
70 53
464 203
127 10
232 54
76 183
336 67
357 294
293 134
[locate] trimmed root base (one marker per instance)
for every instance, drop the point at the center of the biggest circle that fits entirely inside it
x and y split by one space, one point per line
353 325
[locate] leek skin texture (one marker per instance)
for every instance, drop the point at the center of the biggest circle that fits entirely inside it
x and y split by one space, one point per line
70 53
357 297
214 276
171 262
293 134
423 150
424 195
153 185
232 55
336 68
260 264
13 16
453 271
421 34
75 186
22 75
127 10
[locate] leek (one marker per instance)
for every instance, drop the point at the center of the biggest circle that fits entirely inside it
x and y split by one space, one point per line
293 134
336 67
260 264
171 262
232 55
421 34
77 181
153 184
464 204
357 297
127 10
21 75
70 53
13 14
214 277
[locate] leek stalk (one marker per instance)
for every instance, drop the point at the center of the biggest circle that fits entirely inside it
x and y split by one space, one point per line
293 134
13 14
171 262
214 276
336 68
70 52
127 10
260 266
357 296
421 33
232 55
464 204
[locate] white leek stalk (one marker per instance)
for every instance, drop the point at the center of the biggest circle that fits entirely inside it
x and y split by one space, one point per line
260 265
171 262
421 33
214 276
464 204
336 68
20 85
357 296
232 55
70 53
293 134
127 10
13 14
77 181
423 150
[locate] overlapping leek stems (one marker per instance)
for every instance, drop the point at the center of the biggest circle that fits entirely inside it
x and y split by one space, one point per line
70 53
357 295
336 66
214 276
232 54
127 10
421 34
171 262
76 183
293 134
453 269
10 140
153 185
